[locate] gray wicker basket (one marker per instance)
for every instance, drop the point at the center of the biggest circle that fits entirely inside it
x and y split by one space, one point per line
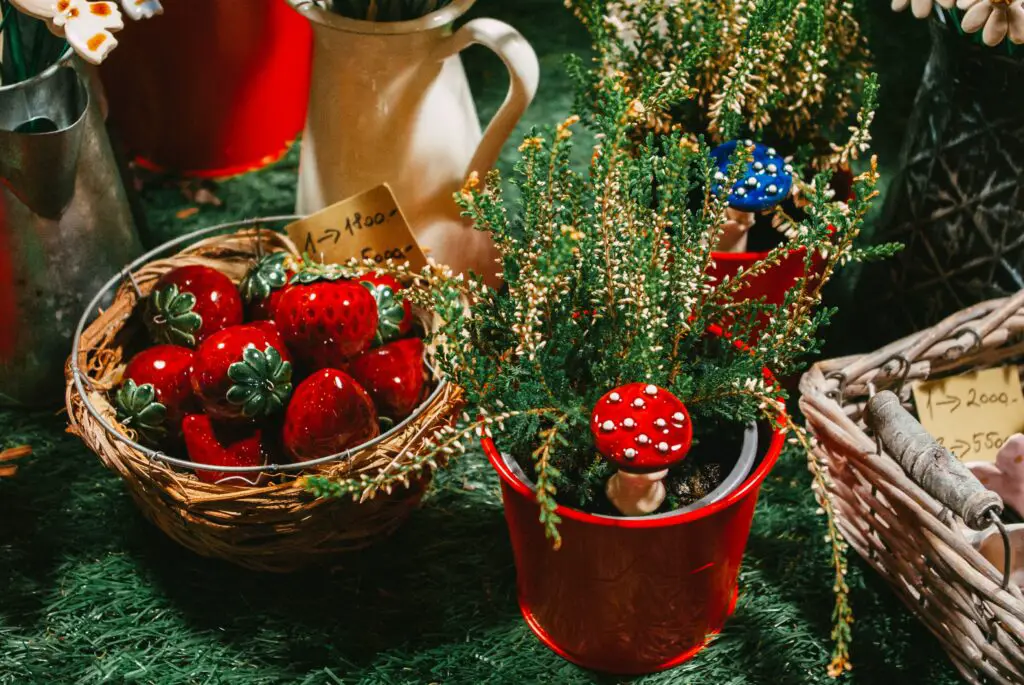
899 529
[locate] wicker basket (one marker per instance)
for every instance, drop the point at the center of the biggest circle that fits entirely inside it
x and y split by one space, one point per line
917 544
278 527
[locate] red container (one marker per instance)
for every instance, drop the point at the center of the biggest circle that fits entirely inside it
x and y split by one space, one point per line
211 87
773 283
630 595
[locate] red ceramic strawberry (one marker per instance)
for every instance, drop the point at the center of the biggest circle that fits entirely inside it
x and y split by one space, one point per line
156 391
243 372
324 320
329 413
263 284
215 445
394 313
393 375
190 303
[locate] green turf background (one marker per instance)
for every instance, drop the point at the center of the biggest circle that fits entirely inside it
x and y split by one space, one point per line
91 593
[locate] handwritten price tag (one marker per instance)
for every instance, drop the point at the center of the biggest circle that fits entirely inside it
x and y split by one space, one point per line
972 414
366 226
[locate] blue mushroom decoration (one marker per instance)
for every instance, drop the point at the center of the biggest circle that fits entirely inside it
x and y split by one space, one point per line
764 183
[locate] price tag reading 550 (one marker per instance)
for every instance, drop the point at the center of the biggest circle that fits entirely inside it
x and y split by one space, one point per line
973 414
366 226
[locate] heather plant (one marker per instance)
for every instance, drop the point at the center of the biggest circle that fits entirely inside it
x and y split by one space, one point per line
609 280
788 73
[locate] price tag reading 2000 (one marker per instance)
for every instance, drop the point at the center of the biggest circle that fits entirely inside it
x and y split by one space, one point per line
973 414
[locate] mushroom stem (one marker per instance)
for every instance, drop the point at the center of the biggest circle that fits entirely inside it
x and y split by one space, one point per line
734 230
636 494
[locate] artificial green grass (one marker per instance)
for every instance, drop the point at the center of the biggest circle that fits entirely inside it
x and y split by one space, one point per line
92 593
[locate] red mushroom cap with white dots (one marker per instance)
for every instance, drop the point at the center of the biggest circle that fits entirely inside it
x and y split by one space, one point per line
641 428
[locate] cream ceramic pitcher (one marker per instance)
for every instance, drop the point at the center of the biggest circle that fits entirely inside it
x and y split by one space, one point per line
389 103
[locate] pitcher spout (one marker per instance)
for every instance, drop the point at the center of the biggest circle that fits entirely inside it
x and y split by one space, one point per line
41 130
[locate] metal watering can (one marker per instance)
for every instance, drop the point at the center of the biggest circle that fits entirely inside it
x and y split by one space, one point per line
65 226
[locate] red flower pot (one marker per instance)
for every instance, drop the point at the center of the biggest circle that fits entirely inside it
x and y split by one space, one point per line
773 283
630 595
211 87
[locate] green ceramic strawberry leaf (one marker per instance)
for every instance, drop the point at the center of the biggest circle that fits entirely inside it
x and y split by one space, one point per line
262 382
266 275
170 317
390 312
138 409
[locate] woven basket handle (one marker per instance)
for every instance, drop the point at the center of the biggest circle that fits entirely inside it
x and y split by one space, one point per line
930 465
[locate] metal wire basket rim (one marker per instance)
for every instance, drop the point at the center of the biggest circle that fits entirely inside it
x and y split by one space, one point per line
80 378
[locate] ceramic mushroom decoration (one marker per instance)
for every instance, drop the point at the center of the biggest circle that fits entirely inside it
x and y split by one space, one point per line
765 182
88 26
1006 476
644 430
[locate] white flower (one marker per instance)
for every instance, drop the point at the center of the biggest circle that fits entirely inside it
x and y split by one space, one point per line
142 9
88 26
920 8
995 18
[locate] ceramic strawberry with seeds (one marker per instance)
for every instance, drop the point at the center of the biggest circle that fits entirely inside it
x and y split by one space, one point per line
325 319
644 430
329 413
243 372
190 303
393 375
218 445
263 285
394 313
156 391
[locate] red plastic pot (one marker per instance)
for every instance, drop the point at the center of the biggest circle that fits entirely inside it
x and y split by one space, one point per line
630 595
773 283
212 87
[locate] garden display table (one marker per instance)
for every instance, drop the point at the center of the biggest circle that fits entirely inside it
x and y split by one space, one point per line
93 593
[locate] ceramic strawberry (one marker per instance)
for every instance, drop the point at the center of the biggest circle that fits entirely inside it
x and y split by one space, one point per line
329 413
243 372
156 391
393 375
394 313
324 319
263 284
218 445
190 303
644 430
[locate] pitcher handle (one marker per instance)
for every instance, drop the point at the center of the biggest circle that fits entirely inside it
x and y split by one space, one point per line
524 75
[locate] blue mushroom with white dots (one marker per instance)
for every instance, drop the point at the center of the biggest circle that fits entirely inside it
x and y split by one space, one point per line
764 183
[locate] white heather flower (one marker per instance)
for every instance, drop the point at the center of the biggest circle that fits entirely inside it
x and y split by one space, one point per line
996 19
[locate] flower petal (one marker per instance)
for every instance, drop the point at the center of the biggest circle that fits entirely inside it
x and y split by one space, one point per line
976 17
900 5
966 4
995 28
1015 17
921 8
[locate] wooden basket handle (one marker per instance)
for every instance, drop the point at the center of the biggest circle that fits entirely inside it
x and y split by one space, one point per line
930 465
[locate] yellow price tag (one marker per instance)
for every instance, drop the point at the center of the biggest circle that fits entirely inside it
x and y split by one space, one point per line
972 414
369 225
